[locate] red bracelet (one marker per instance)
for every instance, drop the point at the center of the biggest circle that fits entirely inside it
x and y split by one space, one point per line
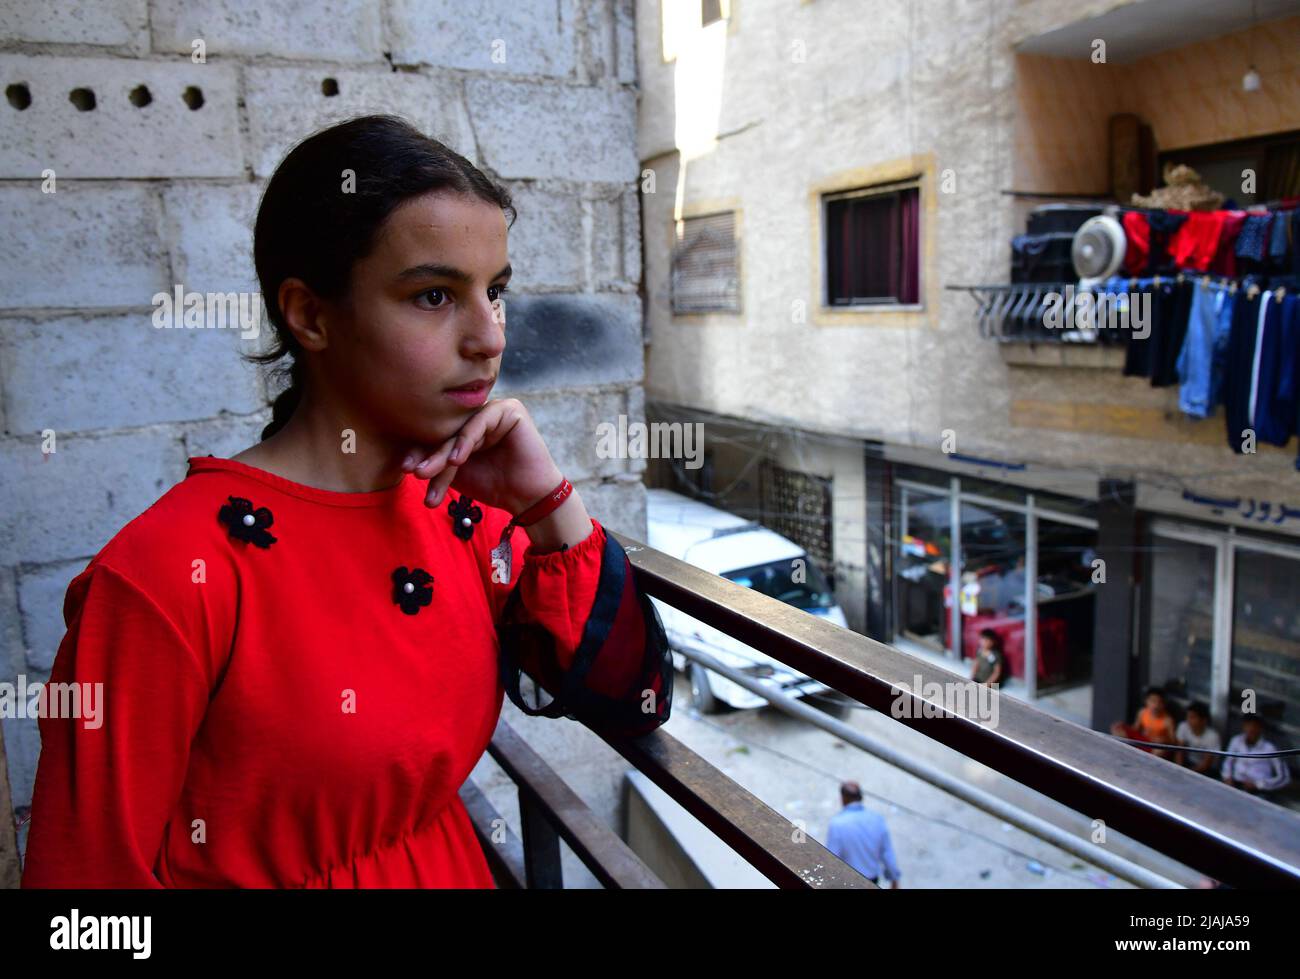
545 506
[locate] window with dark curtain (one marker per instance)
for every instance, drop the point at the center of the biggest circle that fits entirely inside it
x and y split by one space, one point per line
873 248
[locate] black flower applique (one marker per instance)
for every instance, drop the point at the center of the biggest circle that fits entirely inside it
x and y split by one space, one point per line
464 515
412 590
245 523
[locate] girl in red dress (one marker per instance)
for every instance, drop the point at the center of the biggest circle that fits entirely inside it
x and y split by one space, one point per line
298 646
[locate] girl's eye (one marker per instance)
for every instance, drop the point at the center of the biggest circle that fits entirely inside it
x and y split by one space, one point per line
499 291
440 293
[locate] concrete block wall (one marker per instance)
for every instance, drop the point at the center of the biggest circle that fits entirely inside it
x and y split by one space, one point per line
129 166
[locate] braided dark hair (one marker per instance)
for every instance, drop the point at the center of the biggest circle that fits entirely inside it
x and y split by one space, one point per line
310 227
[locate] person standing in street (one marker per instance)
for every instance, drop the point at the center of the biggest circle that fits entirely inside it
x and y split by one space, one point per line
860 838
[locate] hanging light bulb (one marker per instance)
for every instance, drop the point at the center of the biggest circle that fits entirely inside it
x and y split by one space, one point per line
1250 80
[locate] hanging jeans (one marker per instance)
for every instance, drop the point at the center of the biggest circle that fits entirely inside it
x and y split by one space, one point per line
1238 369
1222 332
1205 342
1138 360
1168 331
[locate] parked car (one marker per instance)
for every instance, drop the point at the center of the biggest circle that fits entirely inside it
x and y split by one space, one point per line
751 555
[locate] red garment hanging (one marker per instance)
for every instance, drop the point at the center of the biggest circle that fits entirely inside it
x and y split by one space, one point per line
1137 234
1225 257
1194 245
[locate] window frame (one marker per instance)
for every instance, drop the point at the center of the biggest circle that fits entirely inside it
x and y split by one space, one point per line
912 182
736 223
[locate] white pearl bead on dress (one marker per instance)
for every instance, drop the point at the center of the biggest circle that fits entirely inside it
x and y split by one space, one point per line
249 520
408 588
466 521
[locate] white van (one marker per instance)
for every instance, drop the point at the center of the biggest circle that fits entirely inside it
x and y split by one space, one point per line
751 555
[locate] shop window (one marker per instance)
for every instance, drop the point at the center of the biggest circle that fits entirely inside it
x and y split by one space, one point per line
705 265
1266 643
873 245
1181 618
921 566
998 523
993 579
1067 601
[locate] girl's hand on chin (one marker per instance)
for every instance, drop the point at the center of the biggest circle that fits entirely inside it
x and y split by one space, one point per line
497 457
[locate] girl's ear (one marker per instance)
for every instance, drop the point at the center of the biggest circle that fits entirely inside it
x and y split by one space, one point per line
302 314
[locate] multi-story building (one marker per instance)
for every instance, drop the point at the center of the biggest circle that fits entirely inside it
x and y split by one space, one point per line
821 178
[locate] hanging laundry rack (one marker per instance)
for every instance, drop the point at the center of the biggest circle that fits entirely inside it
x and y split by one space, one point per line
1012 312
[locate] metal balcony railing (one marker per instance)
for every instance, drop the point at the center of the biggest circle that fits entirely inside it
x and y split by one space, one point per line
1016 312
1233 837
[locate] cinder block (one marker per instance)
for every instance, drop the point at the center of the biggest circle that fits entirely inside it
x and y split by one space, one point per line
325 30
616 241
111 23
618 503
117 138
23 751
636 403
224 437
40 595
82 246
589 133
610 35
80 374
210 233
71 502
13 657
635 408
568 423
571 341
625 40
632 235
286 105
498 36
546 241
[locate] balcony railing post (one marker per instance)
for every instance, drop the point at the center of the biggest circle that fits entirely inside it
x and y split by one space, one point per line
541 846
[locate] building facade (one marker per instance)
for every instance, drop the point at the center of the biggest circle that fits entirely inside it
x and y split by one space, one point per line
822 182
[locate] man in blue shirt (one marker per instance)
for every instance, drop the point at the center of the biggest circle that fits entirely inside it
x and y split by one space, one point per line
860 838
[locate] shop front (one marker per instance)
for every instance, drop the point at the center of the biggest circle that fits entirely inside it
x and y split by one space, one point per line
972 556
1224 623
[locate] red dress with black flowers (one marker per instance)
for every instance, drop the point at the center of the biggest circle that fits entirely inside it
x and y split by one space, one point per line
296 683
